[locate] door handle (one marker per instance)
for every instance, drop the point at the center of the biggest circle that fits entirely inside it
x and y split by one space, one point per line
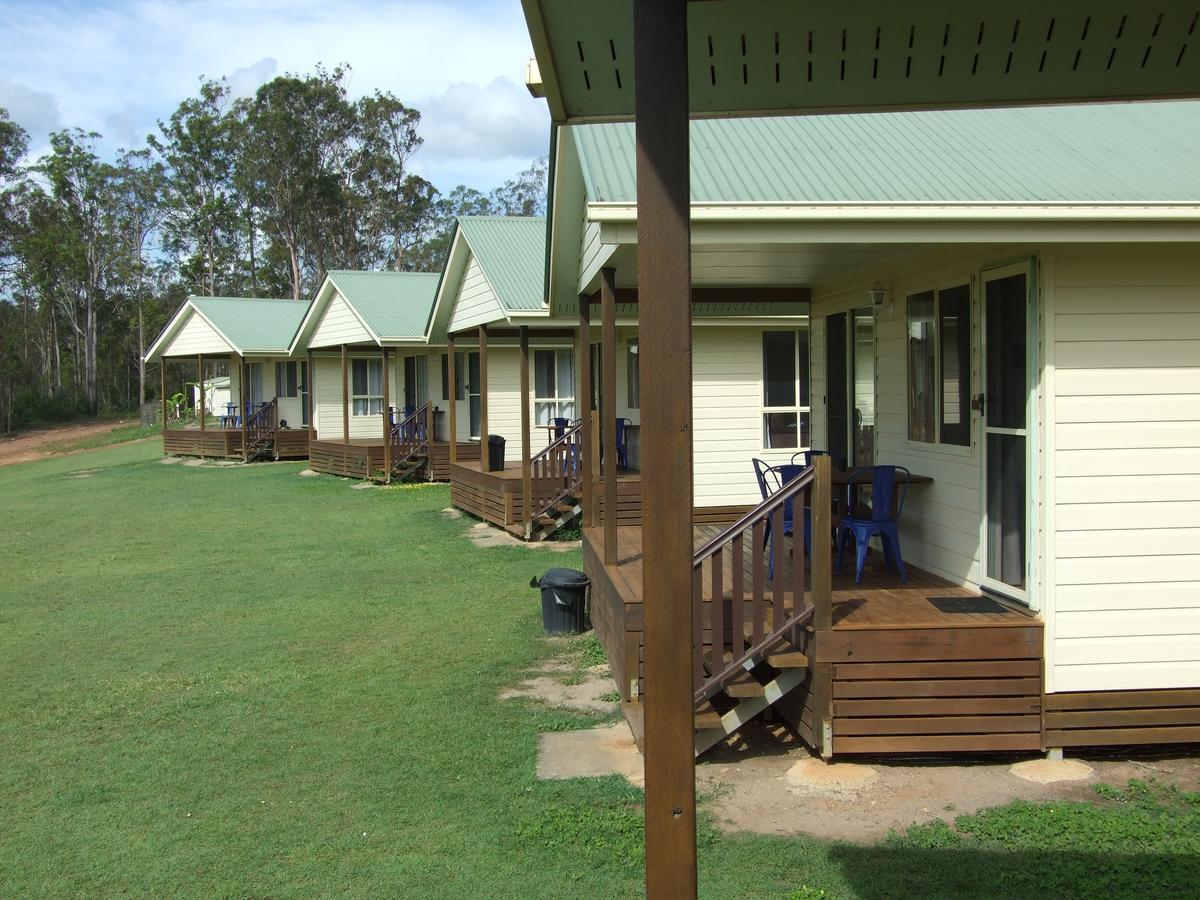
978 403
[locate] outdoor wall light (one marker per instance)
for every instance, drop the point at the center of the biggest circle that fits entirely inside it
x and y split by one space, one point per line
878 295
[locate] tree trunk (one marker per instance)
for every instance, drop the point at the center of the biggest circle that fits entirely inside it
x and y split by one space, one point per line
250 235
294 256
141 358
89 358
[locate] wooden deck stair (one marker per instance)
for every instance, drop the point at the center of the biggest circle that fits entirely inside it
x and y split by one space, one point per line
260 433
751 623
557 476
765 680
409 440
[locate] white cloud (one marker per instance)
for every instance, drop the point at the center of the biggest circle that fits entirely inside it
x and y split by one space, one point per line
35 111
245 81
473 122
116 66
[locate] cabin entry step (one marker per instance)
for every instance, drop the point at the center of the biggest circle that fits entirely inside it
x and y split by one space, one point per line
710 731
561 514
764 680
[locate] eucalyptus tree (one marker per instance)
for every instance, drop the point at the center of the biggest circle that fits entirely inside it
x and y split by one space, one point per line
201 225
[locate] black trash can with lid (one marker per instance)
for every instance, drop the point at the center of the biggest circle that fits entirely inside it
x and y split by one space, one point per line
564 600
495 453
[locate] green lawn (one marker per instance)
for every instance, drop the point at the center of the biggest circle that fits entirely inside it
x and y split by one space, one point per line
239 682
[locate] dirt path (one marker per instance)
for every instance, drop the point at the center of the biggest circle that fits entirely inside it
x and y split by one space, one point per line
30 445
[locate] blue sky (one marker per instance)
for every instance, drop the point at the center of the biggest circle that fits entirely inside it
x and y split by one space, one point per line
117 66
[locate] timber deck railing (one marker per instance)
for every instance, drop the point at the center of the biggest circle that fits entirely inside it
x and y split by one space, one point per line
556 473
410 436
260 429
779 605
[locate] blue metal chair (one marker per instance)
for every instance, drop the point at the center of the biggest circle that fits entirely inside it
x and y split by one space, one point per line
806 456
785 474
882 520
560 426
622 443
771 479
806 459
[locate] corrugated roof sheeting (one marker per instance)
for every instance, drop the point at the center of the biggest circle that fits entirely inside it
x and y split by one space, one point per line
512 253
395 305
1143 152
254 323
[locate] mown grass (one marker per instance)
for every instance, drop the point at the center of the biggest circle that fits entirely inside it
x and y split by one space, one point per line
239 682
120 434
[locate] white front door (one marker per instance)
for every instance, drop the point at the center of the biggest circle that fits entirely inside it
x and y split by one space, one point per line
1008 416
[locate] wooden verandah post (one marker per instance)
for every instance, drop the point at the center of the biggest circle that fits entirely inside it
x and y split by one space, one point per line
485 461
452 390
244 419
387 421
664 286
310 382
526 449
822 593
608 409
583 357
200 378
345 398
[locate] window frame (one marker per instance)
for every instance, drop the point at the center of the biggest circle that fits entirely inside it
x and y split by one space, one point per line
802 384
368 397
463 385
633 374
557 401
282 383
939 444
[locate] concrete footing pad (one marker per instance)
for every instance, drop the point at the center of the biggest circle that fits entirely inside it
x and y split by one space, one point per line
590 753
1051 771
817 774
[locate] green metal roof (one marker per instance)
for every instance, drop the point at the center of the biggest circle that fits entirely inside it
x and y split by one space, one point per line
511 250
1142 152
252 323
395 305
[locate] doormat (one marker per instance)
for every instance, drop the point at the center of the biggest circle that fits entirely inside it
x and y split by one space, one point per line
967 605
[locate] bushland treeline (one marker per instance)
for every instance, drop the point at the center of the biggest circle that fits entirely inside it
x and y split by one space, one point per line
255 197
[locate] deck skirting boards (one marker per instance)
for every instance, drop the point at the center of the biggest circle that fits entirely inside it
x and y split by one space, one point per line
1121 718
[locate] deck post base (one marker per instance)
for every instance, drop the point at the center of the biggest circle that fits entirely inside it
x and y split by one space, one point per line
1055 754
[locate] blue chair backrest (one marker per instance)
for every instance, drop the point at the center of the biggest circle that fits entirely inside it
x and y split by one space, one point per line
560 426
883 489
807 456
761 472
409 410
789 472
621 423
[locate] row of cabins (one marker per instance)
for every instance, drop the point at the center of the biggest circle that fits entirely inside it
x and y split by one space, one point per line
1007 302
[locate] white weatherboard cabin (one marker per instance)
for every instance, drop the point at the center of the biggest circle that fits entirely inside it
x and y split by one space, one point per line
362 325
908 667
1006 303
264 411
492 289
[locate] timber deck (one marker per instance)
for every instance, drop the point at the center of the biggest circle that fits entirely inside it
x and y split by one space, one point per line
496 496
226 443
926 666
363 458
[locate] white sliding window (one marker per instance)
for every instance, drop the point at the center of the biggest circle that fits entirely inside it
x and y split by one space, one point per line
366 387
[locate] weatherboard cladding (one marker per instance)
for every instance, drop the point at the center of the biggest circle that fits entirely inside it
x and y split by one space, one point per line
394 305
511 250
253 323
1141 152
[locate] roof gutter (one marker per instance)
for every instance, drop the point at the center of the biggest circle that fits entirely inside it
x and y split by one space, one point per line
608 212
